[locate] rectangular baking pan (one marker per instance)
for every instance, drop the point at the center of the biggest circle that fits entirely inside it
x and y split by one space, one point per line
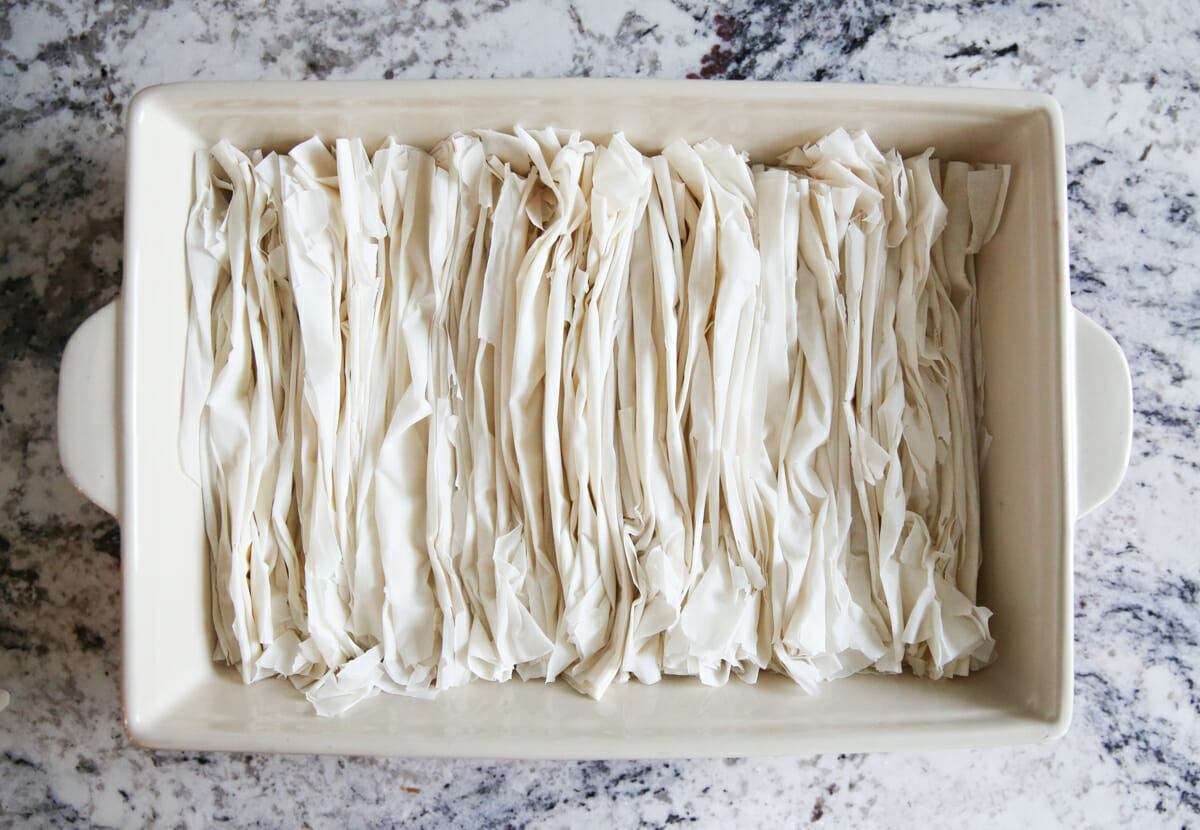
1047 364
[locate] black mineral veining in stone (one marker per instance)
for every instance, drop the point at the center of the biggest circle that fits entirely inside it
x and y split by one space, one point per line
757 38
87 639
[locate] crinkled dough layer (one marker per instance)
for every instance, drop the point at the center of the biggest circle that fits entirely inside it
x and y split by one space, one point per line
535 405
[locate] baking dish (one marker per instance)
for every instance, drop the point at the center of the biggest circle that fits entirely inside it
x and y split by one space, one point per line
1058 406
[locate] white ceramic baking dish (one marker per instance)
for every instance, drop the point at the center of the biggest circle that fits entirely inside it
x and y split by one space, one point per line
1058 404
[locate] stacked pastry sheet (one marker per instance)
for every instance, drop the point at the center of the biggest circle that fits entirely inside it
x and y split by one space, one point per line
535 406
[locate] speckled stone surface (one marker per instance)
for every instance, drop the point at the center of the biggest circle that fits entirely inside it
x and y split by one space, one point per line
1129 84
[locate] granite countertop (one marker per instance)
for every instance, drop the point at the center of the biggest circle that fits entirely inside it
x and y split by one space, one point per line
1129 86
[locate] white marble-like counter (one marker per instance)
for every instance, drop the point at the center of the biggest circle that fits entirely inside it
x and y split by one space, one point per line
1129 84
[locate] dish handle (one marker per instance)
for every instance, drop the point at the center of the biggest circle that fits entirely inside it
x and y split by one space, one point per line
1103 414
89 409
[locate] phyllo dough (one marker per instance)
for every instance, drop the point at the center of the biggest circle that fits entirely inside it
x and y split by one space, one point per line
531 405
